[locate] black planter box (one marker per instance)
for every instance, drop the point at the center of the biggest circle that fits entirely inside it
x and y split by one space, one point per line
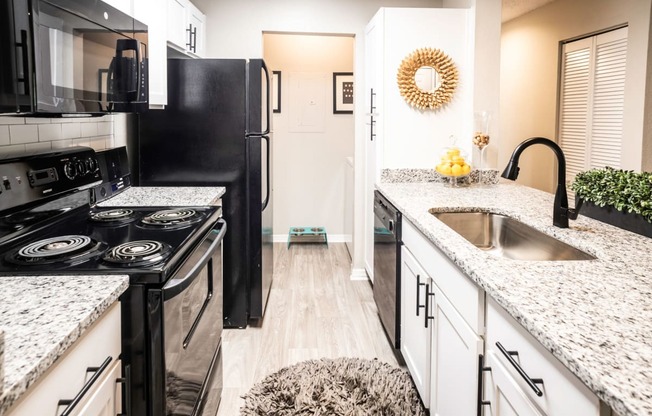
630 222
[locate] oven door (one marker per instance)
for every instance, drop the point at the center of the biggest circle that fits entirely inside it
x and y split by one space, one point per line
87 57
186 328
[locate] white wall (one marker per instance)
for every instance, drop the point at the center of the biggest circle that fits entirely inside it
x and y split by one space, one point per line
309 166
530 49
19 134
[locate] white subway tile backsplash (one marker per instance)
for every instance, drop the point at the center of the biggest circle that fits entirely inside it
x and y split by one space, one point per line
49 132
4 136
18 134
11 120
104 128
11 149
71 130
38 120
61 144
38 147
88 129
23 133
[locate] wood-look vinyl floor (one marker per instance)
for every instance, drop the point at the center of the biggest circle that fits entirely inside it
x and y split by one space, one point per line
314 311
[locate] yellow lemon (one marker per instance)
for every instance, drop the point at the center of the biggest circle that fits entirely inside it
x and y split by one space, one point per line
466 169
457 159
454 151
445 170
456 170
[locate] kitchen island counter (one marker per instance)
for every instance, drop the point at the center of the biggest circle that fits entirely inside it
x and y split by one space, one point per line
594 316
172 196
42 317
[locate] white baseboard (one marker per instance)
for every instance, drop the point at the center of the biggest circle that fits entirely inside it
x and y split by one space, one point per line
359 274
332 238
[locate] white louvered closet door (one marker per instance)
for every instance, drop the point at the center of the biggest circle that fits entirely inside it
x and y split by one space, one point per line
592 101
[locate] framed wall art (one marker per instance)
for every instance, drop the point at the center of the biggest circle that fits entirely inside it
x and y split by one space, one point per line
342 92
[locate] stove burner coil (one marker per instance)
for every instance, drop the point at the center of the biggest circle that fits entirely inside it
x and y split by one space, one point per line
113 216
137 253
172 218
67 249
55 246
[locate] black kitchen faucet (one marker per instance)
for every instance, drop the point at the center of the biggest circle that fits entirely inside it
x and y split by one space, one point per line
561 213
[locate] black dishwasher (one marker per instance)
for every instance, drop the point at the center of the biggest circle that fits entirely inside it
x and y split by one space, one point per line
387 266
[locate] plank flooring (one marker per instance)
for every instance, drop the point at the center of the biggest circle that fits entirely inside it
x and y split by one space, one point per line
314 311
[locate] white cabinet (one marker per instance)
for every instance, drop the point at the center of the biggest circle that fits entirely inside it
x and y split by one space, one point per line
154 16
441 348
186 28
415 327
93 362
510 347
455 352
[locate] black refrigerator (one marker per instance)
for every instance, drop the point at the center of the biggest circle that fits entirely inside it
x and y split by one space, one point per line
215 131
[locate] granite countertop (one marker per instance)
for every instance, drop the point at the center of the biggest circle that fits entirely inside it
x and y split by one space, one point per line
594 316
165 196
42 317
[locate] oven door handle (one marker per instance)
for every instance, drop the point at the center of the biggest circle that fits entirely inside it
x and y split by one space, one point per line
177 285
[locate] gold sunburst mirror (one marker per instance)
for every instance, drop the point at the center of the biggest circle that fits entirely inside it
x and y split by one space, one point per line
427 78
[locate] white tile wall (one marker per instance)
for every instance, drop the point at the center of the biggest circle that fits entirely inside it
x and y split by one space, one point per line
36 134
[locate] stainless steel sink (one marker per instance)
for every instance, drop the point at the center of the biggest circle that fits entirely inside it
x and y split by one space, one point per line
506 237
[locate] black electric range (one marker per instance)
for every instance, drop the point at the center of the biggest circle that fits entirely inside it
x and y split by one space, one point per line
172 311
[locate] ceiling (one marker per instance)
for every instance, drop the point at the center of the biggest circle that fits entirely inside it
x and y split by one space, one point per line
515 8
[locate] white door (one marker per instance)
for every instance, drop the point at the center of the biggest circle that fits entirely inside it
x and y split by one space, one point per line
454 370
503 393
176 19
106 400
415 335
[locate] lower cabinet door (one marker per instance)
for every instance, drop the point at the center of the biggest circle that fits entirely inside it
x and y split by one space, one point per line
106 397
454 370
415 327
504 395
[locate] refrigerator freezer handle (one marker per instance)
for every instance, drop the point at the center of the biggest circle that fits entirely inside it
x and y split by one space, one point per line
266 201
268 98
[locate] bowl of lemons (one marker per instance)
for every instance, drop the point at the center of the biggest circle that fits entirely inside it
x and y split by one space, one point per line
454 167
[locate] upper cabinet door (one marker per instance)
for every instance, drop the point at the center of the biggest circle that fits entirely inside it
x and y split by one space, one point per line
177 34
197 26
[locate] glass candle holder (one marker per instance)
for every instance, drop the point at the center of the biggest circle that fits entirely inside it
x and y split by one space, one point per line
481 138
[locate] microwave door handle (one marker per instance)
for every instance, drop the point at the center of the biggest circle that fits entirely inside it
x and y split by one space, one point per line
130 45
25 61
268 98
177 285
266 201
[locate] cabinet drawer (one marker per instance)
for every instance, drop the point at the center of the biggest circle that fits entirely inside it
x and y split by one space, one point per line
461 291
67 376
562 392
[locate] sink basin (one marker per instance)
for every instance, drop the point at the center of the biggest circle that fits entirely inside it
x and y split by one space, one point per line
506 237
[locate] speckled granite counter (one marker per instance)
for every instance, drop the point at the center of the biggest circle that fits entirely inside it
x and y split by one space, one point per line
165 196
42 317
594 316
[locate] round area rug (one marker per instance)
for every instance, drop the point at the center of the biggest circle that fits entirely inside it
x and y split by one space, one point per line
334 387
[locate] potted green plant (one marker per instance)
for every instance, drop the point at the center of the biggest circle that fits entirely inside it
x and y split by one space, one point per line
619 197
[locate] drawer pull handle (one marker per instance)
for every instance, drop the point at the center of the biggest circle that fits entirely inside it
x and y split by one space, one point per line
419 284
532 382
481 370
126 381
427 316
74 402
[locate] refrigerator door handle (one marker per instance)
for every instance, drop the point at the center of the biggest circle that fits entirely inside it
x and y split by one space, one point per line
268 98
266 200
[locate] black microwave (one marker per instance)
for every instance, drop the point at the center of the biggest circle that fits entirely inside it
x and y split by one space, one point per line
70 57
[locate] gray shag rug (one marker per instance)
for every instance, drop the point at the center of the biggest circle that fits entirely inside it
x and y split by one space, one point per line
334 387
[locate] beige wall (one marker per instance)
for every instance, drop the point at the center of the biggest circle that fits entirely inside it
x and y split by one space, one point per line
309 167
529 68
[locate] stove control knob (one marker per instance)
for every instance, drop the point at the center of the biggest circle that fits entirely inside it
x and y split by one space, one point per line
80 166
91 165
70 170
